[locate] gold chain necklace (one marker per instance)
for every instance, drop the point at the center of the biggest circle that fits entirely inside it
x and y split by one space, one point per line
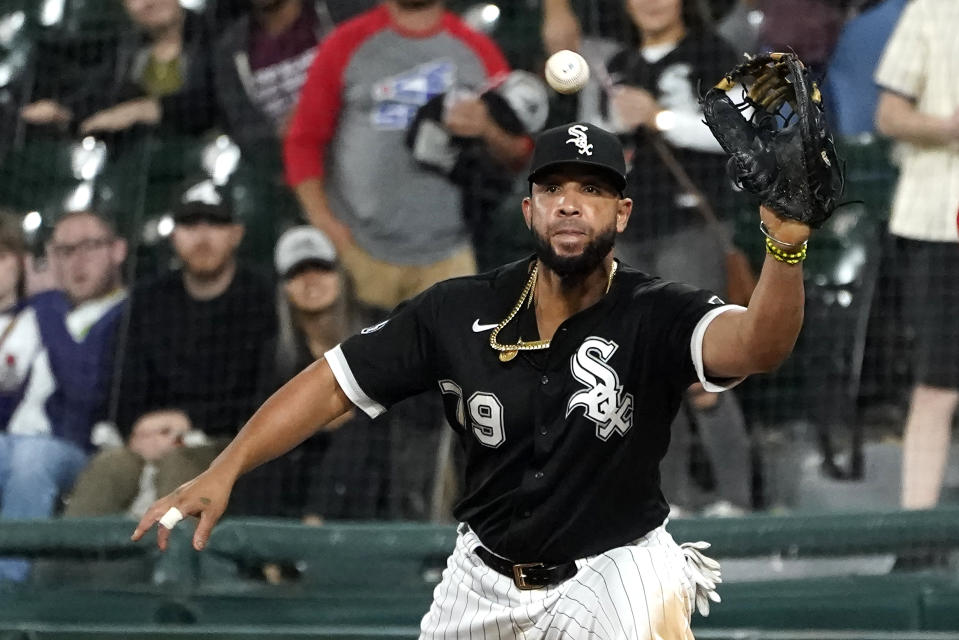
508 351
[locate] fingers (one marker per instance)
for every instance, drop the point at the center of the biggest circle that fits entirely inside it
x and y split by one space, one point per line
162 513
152 516
163 537
702 604
203 529
166 518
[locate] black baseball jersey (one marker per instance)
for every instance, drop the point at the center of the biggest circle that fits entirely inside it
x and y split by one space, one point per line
562 445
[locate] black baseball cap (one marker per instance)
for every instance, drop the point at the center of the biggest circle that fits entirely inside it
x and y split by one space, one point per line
204 201
579 143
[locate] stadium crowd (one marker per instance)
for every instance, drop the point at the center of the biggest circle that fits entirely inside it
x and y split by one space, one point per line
201 198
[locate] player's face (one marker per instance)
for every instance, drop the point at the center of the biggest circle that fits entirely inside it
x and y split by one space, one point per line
655 16
206 249
312 289
86 257
154 14
574 217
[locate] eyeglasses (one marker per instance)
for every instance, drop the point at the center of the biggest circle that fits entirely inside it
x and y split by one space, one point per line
84 247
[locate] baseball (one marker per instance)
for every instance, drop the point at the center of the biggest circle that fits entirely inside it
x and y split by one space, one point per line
566 71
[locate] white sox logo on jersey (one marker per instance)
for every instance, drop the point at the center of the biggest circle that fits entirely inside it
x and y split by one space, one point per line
578 131
603 399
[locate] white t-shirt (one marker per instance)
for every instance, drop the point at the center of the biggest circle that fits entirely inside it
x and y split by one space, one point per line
917 64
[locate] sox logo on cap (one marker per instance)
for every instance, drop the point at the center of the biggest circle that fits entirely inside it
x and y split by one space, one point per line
578 131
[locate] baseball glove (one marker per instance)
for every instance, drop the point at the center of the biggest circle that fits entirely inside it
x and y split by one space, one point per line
780 145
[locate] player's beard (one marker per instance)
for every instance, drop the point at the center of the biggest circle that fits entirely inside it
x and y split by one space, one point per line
573 269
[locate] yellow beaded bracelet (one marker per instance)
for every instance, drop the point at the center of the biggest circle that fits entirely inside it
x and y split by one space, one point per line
789 257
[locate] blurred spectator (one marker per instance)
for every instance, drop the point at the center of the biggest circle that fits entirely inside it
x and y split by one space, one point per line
49 435
109 484
655 102
18 343
397 225
809 28
260 64
853 95
560 27
197 336
334 475
919 106
568 24
162 74
224 12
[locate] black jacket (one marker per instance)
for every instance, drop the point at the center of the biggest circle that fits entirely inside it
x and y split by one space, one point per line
116 79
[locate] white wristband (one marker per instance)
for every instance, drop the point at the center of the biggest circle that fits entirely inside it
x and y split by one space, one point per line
171 517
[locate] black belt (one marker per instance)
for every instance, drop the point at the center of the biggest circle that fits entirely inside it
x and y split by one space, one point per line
527 575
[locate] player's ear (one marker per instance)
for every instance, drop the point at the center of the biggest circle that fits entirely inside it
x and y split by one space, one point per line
622 214
526 212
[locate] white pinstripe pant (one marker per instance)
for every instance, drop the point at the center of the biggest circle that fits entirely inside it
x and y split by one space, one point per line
636 592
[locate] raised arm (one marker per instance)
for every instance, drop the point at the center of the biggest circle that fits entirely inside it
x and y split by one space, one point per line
758 339
798 177
301 407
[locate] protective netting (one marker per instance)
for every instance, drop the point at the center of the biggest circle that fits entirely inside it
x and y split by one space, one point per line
95 115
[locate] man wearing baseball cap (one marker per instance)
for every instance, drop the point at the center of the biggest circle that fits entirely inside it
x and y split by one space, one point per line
198 334
583 145
561 374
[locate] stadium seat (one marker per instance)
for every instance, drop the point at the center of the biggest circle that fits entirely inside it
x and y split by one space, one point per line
355 578
854 602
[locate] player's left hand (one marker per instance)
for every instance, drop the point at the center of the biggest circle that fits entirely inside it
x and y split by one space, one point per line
467 118
205 496
787 230
123 116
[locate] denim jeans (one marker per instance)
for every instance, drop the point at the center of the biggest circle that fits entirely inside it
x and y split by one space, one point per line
34 471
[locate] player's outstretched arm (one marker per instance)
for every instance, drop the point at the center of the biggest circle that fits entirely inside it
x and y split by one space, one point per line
301 407
797 176
758 339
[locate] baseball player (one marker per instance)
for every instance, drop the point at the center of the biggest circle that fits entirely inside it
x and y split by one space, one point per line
561 374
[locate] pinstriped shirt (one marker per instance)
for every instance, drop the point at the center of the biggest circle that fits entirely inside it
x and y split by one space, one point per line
919 63
562 445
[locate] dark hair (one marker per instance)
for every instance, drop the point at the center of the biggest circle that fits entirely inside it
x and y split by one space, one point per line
11 232
11 239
